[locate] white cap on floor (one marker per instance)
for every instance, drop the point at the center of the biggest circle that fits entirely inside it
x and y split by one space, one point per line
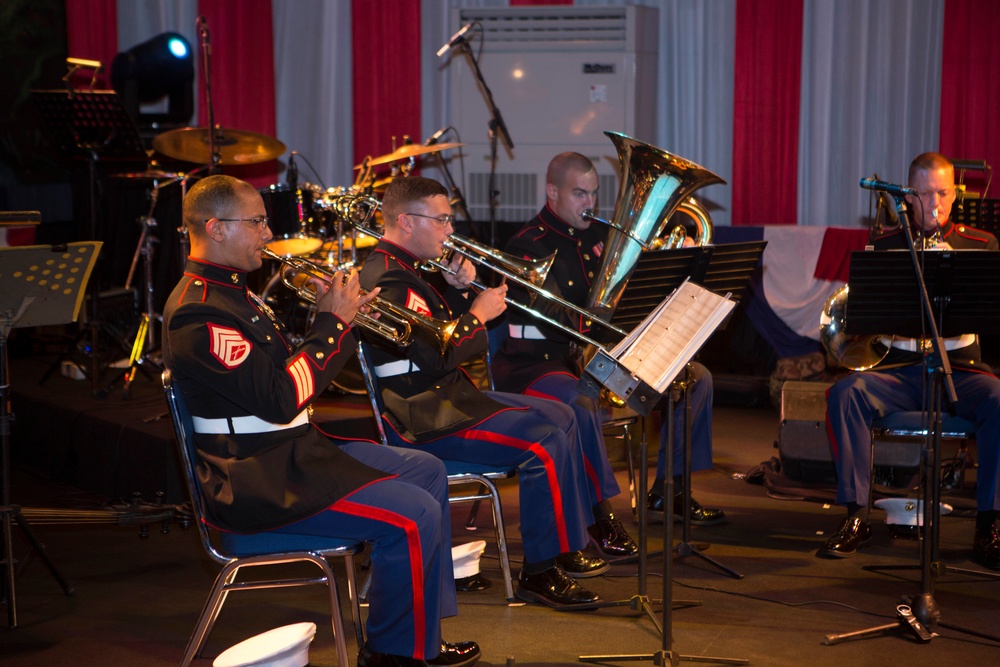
465 558
905 511
287 646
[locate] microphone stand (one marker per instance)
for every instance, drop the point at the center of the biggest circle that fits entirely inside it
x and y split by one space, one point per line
457 200
206 54
922 615
496 126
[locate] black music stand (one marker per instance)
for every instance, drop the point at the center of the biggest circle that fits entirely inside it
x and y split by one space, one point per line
93 124
925 295
681 343
39 286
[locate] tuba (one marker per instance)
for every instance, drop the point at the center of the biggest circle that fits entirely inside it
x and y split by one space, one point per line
692 208
654 184
858 353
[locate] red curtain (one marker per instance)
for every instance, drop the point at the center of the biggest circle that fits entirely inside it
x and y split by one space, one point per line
386 74
970 84
242 75
766 111
92 34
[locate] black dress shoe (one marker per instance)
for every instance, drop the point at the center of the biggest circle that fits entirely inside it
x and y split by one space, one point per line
580 566
475 582
853 533
700 516
459 654
552 587
986 548
370 658
611 540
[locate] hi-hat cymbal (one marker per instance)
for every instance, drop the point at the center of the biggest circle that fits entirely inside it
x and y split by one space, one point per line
191 144
406 152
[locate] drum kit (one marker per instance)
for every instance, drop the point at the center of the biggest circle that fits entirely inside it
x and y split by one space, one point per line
303 217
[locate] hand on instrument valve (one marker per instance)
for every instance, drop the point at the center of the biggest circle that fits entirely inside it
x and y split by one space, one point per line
490 303
342 296
464 272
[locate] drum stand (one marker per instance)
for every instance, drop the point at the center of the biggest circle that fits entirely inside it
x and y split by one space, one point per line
145 337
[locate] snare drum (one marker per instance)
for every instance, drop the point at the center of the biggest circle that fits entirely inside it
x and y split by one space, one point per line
293 220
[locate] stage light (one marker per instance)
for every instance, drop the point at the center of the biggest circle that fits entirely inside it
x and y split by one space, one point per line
159 68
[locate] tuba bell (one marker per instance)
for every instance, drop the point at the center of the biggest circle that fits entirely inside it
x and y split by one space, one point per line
858 353
654 184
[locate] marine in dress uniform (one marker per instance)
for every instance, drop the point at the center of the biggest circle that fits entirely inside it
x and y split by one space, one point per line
539 359
897 383
265 467
432 405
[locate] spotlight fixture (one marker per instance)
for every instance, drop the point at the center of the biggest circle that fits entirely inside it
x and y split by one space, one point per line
162 67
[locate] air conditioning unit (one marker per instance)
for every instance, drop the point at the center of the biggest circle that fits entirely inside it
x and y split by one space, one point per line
561 77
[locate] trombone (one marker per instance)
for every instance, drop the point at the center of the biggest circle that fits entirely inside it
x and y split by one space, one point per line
297 274
528 273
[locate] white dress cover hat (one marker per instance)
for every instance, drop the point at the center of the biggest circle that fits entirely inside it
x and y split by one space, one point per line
287 646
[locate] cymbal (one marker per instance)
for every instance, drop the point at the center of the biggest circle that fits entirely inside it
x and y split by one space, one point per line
234 146
408 151
363 241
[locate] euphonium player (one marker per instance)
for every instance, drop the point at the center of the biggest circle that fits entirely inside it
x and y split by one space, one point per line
264 467
536 358
432 405
896 385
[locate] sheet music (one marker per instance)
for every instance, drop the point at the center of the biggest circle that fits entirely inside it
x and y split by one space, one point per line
669 337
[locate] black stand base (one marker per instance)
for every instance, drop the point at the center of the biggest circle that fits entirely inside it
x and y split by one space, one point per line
664 658
684 549
12 513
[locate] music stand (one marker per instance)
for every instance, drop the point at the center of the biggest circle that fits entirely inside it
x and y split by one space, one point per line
955 292
92 123
39 286
651 357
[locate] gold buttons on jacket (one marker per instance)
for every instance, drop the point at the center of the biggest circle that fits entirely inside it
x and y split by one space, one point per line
340 327
320 355
235 278
331 340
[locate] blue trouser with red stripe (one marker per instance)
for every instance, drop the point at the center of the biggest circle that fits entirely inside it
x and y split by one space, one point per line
858 399
407 521
562 387
539 437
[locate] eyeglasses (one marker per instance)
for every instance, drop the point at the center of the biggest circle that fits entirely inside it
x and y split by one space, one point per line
942 194
443 221
259 222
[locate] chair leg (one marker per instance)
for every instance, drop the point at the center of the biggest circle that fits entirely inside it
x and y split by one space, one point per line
209 613
501 534
353 593
470 522
336 618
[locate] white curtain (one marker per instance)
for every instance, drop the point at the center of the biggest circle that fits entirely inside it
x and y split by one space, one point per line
871 90
312 71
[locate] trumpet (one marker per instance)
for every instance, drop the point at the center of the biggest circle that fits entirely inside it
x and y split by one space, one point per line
298 274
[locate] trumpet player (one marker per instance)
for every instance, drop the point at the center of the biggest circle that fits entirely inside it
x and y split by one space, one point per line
896 385
430 404
264 467
538 359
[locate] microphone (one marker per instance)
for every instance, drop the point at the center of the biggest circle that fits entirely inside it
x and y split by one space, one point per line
436 137
455 39
882 186
292 174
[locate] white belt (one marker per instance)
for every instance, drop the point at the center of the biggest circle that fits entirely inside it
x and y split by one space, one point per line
248 424
915 344
525 331
395 368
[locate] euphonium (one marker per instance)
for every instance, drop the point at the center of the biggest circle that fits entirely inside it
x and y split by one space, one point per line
858 353
298 274
654 184
702 221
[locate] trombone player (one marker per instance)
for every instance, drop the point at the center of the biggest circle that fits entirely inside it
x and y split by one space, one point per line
264 467
430 404
896 384
538 359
